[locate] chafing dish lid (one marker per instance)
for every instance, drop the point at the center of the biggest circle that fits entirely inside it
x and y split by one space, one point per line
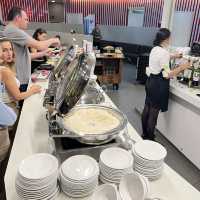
66 58
72 84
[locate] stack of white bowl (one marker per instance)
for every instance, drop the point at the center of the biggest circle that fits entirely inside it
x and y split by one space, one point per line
134 187
114 163
149 158
79 176
37 177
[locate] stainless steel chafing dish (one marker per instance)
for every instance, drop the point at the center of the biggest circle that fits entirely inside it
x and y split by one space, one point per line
94 139
71 86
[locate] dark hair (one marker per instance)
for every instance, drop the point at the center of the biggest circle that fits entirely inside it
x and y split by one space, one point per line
38 31
15 11
58 36
161 35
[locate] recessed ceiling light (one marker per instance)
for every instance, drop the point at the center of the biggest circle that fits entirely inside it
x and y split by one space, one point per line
53 1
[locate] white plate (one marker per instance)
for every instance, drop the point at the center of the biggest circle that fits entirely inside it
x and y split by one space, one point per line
38 192
48 197
76 182
80 167
35 186
107 180
150 150
79 186
143 160
148 169
38 166
116 158
115 172
73 190
109 169
78 194
149 165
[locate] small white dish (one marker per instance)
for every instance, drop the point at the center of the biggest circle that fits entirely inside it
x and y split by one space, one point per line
150 150
38 166
116 158
80 167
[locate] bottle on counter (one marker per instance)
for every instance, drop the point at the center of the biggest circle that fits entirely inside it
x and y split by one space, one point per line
187 75
190 77
196 75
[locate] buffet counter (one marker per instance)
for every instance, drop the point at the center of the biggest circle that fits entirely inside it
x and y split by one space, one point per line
32 137
180 125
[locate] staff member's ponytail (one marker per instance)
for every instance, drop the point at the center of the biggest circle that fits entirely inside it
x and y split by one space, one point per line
161 35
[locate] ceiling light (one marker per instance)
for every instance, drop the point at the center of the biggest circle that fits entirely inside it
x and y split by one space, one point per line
53 1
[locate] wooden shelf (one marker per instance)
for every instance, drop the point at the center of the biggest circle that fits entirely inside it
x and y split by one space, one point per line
108 70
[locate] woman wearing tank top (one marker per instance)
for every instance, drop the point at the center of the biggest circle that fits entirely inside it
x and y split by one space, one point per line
10 92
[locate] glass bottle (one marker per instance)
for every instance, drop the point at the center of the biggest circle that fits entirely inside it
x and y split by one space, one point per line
196 75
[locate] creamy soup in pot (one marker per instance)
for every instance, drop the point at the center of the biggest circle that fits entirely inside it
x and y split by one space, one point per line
91 121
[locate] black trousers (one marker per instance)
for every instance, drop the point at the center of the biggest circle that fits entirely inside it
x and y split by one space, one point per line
157 96
149 121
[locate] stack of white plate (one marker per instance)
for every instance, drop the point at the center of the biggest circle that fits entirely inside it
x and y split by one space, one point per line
149 158
37 177
114 163
79 176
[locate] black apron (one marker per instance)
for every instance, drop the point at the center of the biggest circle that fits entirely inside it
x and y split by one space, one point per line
157 91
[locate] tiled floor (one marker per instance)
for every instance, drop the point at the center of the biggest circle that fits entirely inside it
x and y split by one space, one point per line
129 98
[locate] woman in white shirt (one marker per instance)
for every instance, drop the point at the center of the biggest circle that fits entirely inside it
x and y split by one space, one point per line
157 85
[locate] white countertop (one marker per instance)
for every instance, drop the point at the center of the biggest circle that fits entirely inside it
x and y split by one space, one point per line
32 137
185 93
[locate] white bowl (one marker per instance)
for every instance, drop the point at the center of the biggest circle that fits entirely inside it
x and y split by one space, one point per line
38 166
116 158
150 150
131 187
80 167
106 192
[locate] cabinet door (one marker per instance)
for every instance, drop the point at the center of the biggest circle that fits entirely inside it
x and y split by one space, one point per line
180 125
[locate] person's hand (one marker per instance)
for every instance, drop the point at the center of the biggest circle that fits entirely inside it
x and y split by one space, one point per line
56 42
46 52
35 89
178 55
187 65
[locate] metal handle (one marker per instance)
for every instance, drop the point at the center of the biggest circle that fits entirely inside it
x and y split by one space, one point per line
128 137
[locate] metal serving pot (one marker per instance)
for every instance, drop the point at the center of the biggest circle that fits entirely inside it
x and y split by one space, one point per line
94 139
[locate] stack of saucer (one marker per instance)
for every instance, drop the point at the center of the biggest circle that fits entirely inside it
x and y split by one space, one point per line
37 177
114 163
79 176
149 159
